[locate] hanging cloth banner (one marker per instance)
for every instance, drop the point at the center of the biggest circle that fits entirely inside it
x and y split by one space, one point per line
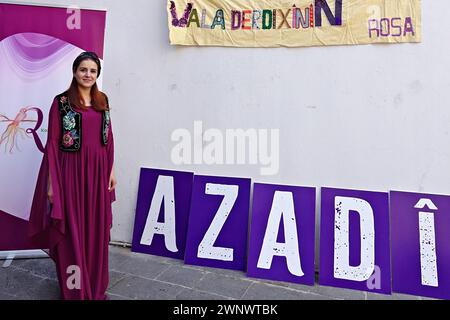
294 23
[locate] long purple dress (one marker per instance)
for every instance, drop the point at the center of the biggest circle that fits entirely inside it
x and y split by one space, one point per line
76 226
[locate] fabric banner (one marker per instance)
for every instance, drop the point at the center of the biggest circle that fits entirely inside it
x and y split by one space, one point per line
37 47
294 23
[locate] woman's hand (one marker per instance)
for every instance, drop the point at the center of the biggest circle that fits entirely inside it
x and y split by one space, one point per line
50 190
112 181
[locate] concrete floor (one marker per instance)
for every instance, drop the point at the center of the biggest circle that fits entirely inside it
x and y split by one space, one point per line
146 277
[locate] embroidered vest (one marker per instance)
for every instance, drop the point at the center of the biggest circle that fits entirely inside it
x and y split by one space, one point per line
71 125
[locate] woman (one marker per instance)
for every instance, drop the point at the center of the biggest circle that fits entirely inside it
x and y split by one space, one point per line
71 211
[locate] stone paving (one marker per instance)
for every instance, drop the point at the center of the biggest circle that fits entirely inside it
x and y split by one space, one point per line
146 277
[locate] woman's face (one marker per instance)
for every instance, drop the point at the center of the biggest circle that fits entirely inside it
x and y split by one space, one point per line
87 73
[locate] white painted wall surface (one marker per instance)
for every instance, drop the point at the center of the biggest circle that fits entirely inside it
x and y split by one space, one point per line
372 117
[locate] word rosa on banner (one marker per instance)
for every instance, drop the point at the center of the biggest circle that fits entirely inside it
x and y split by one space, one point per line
205 220
334 22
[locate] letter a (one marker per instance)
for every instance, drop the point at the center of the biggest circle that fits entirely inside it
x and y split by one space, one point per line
164 192
74 280
282 208
74 20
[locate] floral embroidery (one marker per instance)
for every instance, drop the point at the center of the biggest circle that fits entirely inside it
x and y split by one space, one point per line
71 125
106 127
69 121
69 138
106 135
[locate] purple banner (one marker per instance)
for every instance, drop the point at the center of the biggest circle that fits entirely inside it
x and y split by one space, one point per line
218 222
38 45
354 240
60 23
162 212
420 225
282 233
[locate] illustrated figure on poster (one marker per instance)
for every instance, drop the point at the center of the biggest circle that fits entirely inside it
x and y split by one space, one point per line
71 210
9 136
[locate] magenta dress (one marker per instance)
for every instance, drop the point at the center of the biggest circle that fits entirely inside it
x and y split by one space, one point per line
76 226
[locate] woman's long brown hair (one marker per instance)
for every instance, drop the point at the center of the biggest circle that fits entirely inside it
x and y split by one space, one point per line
98 99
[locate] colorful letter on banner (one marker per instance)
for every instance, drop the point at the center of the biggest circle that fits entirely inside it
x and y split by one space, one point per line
218 222
420 244
260 23
282 233
354 240
162 212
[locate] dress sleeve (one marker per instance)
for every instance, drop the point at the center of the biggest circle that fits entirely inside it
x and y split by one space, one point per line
110 150
47 220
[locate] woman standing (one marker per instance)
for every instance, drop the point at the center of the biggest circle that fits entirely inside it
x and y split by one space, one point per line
71 211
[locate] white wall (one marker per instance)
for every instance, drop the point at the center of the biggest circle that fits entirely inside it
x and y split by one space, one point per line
372 117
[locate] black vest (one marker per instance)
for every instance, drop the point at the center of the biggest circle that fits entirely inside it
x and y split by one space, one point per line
71 125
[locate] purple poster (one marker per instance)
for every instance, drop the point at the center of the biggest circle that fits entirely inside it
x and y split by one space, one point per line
354 240
420 225
162 212
38 45
218 222
282 233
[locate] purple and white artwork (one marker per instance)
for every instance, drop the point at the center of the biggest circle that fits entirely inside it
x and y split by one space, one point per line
282 233
420 225
162 212
218 222
205 220
36 64
354 240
